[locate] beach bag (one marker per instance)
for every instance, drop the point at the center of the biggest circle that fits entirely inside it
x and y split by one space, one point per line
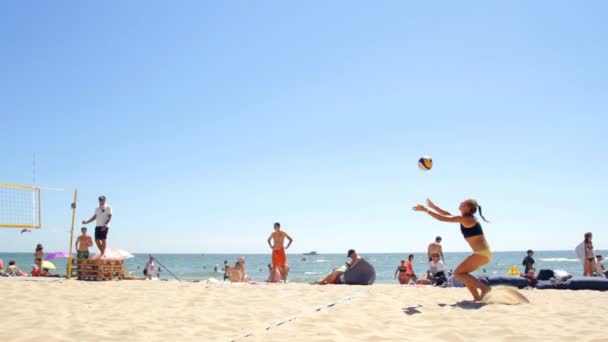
439 279
545 274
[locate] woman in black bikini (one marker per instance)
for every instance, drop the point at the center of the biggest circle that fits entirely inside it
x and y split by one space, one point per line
401 270
589 262
473 234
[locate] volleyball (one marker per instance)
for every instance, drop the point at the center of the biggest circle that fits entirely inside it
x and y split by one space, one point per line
425 163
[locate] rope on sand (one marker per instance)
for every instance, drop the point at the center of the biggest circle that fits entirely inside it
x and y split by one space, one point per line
293 318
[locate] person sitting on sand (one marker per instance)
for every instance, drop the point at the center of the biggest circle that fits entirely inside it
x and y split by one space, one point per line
37 270
274 276
39 252
46 273
436 274
401 269
600 268
279 259
83 242
286 272
12 269
531 276
437 271
334 276
473 234
237 273
435 247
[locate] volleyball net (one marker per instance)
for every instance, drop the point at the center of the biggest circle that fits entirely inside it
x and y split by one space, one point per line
20 206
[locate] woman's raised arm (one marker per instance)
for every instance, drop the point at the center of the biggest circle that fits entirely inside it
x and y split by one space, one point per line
436 208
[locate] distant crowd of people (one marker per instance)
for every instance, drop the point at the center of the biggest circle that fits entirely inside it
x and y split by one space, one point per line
40 268
593 263
436 272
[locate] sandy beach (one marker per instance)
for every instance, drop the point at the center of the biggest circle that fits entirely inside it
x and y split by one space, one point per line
70 310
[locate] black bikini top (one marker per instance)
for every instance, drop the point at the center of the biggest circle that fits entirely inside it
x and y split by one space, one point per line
473 231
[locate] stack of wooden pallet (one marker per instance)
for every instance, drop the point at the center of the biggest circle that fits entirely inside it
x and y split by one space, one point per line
99 269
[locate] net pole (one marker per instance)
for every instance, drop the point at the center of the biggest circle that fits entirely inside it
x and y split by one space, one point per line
70 257
34 191
39 209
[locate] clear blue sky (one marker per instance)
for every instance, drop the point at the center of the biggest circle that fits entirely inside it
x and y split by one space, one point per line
203 123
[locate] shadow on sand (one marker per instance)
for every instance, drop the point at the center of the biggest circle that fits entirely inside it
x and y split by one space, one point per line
466 305
412 310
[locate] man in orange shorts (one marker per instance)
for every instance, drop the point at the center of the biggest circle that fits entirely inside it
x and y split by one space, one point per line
279 259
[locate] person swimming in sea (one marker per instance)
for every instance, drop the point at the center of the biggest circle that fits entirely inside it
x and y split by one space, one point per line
473 234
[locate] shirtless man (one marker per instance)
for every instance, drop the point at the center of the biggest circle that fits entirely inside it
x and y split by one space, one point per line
435 247
279 259
83 243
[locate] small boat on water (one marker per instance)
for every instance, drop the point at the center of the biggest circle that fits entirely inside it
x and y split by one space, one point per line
311 253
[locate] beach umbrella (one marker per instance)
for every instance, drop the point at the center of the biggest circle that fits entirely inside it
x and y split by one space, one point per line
115 254
56 255
48 264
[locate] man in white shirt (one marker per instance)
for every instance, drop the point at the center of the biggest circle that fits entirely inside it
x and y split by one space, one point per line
102 217
437 273
436 266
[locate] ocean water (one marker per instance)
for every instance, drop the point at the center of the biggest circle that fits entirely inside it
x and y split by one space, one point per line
308 268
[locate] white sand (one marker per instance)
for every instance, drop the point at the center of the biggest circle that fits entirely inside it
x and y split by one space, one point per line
70 310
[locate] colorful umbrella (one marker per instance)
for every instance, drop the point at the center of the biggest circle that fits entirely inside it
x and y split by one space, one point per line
48 264
57 255
114 253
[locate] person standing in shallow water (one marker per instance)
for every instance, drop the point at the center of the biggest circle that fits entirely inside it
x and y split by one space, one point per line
528 262
473 234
